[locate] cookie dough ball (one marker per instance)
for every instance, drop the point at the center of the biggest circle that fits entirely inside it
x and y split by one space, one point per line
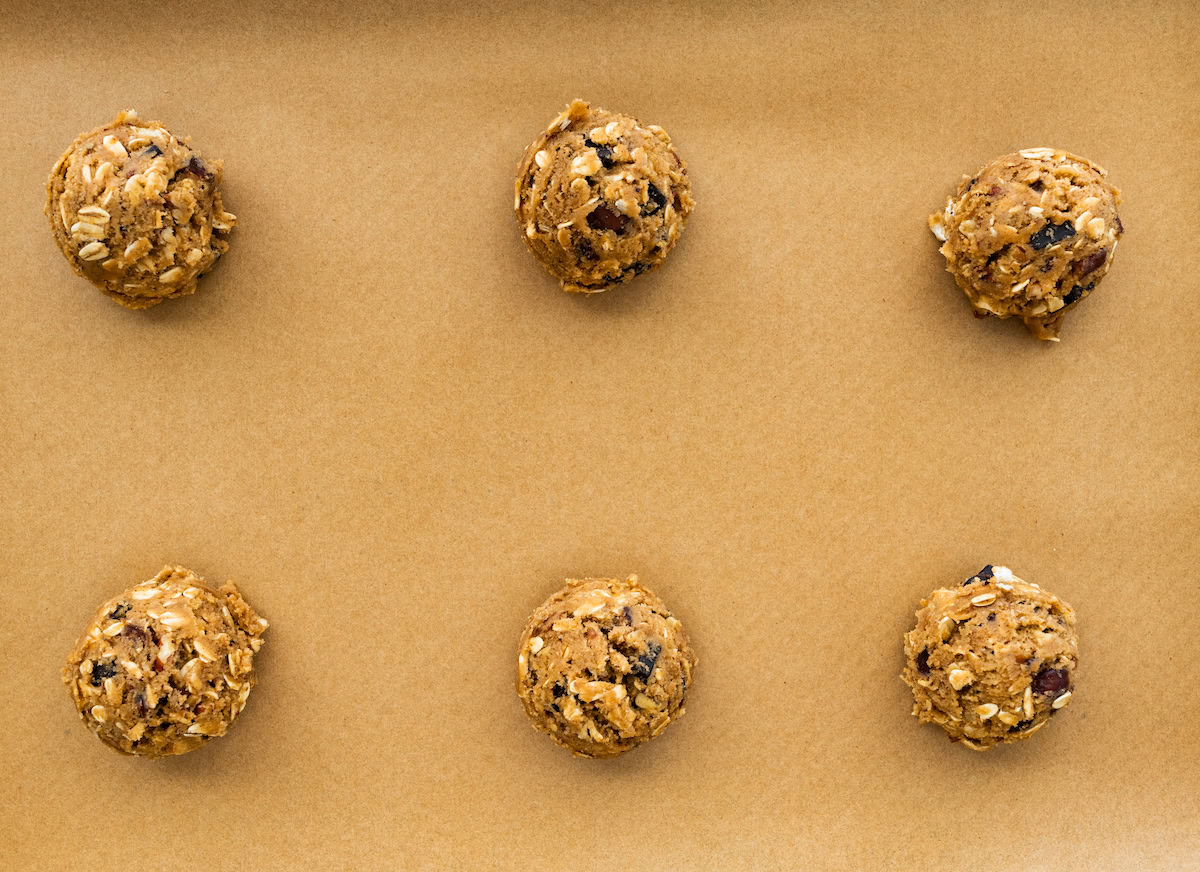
603 666
601 198
166 665
137 212
991 660
1030 236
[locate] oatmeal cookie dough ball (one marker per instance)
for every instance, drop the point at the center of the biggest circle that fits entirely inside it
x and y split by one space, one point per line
1030 236
601 198
166 665
603 666
991 660
137 211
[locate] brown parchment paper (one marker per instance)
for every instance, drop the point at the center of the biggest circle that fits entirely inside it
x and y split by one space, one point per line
387 424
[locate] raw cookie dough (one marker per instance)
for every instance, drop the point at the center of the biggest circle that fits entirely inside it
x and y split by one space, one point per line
1030 236
166 665
600 198
991 660
603 666
137 212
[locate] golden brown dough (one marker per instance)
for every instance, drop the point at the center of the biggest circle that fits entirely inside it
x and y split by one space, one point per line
137 212
603 666
1030 236
601 198
166 665
991 660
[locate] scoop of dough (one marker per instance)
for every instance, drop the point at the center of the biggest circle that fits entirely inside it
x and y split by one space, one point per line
601 198
1030 236
137 212
991 660
165 666
603 666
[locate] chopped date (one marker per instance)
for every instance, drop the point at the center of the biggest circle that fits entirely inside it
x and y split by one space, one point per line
1092 262
197 168
120 611
604 218
1051 682
923 662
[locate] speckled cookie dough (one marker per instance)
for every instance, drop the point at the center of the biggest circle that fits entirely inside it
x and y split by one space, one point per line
1030 236
603 666
601 198
137 212
991 660
165 666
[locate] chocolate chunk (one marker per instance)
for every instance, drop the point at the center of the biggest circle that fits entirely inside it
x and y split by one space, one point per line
558 690
1077 293
1092 262
584 250
923 662
643 666
120 611
1051 682
1037 186
981 576
657 197
1019 726
604 218
628 612
603 152
197 168
152 151
991 616
1120 226
102 671
1051 234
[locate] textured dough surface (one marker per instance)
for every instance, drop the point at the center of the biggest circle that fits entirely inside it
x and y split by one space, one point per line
1030 236
991 660
137 212
603 666
166 665
601 198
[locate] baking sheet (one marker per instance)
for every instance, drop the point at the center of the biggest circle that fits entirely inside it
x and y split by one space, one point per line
386 423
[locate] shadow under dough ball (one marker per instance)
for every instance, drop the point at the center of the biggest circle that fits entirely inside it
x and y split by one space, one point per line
991 660
603 666
1030 236
165 666
137 212
600 198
